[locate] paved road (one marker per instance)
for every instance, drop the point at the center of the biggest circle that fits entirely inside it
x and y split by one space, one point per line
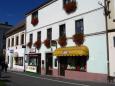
21 79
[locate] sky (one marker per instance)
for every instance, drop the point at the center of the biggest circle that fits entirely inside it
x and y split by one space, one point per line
13 11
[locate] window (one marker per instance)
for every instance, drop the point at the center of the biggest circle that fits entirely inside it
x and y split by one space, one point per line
12 41
79 28
19 61
9 42
114 41
49 33
34 20
62 30
31 37
39 35
32 61
78 63
67 1
17 40
22 39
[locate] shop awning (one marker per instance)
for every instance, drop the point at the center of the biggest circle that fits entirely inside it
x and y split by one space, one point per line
72 51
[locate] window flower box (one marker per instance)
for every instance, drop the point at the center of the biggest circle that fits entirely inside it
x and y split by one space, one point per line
37 44
34 21
29 44
62 41
78 38
47 43
70 6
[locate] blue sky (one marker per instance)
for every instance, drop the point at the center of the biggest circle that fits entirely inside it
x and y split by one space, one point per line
13 11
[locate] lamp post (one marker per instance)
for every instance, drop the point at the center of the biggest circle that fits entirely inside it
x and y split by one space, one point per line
106 13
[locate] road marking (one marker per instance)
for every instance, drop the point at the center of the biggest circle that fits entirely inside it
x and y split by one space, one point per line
52 79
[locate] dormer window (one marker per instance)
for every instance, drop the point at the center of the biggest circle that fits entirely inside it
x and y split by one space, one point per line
34 20
69 5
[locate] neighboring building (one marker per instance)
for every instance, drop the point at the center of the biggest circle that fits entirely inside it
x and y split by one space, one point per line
4 27
111 37
15 47
56 22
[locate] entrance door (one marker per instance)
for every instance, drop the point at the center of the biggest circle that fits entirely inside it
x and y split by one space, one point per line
39 64
49 63
63 65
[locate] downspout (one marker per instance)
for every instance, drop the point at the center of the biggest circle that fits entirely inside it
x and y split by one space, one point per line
107 39
25 48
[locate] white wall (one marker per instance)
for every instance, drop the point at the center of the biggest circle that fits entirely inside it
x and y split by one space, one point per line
54 12
97 62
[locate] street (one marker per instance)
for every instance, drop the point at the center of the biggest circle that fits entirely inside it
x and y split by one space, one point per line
21 79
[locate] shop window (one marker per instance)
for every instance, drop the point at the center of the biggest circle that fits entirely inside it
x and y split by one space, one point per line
49 33
32 61
62 30
114 41
79 27
22 39
77 63
18 61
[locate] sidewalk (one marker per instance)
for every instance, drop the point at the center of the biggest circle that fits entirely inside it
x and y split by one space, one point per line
58 78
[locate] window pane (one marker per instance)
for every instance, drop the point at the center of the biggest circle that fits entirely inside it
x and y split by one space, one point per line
79 28
62 30
22 39
39 35
114 41
49 34
31 37
17 38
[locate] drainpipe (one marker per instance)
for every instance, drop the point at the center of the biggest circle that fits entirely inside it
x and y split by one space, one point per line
107 38
25 48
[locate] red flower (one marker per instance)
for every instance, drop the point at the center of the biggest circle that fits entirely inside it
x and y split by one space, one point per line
47 43
62 41
70 7
34 21
78 38
29 44
37 44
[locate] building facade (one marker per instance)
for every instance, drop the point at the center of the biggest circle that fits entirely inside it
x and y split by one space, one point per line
69 38
15 47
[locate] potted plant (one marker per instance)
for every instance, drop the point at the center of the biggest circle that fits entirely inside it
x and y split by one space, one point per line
70 6
29 44
78 38
47 43
62 41
34 21
37 44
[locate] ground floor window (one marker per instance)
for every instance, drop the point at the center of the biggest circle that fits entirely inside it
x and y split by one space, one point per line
18 61
32 61
77 63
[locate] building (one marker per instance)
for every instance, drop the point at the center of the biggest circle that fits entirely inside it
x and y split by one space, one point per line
4 27
15 47
111 37
55 33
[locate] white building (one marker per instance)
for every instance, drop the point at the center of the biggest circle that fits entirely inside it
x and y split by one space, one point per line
15 47
57 18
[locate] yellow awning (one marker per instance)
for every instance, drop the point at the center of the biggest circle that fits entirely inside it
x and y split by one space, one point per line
72 51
